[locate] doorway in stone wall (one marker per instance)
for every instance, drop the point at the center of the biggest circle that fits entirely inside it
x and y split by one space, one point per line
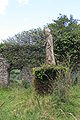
16 76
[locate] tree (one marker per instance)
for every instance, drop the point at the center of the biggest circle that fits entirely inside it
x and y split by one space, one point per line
66 34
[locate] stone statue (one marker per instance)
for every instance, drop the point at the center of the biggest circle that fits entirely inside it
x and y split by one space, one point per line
49 48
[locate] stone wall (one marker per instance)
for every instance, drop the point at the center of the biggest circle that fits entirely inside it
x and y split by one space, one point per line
26 75
4 74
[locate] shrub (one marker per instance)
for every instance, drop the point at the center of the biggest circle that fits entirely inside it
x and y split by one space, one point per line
49 77
26 84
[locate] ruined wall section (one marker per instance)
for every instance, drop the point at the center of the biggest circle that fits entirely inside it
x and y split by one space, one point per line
4 74
26 75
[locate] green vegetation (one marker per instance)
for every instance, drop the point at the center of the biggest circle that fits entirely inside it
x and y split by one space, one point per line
15 74
24 49
47 78
28 48
66 37
18 103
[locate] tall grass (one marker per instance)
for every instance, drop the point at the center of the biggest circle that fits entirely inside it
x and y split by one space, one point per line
18 103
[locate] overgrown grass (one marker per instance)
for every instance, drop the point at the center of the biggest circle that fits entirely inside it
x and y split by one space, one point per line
18 103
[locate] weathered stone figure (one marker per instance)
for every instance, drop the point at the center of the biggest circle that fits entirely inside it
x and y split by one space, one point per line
49 48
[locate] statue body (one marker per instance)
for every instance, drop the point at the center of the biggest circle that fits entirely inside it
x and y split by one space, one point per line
49 48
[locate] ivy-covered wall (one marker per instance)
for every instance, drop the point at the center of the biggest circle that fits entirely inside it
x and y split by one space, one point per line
5 69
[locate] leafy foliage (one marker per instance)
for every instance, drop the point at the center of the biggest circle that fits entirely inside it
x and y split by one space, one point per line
28 48
15 74
19 56
48 77
66 36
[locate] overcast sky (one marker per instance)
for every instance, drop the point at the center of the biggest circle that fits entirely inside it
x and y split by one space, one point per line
20 15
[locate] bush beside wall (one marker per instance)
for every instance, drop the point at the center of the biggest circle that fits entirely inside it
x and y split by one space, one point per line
46 77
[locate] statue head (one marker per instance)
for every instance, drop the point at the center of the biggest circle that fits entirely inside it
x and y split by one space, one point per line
47 31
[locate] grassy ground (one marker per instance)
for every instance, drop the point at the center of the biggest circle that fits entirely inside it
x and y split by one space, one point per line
18 103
